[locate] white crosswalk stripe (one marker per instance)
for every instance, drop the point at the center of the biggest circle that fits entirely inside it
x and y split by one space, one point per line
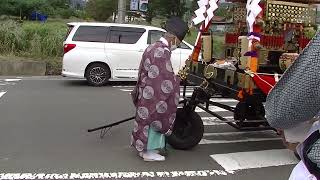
213 109
213 121
255 159
5 84
12 80
2 93
239 137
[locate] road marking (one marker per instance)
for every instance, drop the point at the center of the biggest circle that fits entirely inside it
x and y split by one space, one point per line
2 93
126 90
242 133
187 93
213 109
123 86
246 136
207 141
213 121
255 159
116 175
12 80
220 100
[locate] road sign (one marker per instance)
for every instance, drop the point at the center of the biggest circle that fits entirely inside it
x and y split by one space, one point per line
143 5
134 5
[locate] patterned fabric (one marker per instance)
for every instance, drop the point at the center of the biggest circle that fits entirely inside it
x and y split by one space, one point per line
296 97
314 154
156 95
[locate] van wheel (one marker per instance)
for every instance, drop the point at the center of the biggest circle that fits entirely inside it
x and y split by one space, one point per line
98 74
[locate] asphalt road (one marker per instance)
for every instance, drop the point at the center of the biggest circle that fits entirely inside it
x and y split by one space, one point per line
43 135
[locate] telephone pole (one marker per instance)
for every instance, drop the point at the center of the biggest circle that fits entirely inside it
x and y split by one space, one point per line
121 11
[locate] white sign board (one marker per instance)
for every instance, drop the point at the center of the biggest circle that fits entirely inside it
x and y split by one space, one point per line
134 5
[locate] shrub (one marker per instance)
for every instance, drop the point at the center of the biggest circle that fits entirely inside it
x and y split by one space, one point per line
32 39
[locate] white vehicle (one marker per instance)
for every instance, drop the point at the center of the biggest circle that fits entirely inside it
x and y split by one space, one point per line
101 52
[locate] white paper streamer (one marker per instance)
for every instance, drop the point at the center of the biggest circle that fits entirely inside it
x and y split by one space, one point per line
253 10
203 9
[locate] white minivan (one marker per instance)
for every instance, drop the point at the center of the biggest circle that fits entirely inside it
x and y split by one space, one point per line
101 52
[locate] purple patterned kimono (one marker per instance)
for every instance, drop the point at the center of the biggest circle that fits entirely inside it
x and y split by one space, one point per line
156 95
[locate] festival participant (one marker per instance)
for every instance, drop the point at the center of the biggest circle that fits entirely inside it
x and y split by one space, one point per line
157 92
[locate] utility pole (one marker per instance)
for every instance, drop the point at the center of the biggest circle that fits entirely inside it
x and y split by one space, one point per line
121 11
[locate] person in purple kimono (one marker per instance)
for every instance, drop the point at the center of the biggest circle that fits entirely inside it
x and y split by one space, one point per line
157 92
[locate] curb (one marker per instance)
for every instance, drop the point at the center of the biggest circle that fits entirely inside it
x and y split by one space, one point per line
27 68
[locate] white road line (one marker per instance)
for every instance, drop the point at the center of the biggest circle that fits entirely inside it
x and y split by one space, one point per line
115 175
187 93
221 100
242 133
123 86
213 108
255 159
245 137
2 93
207 141
126 90
12 80
213 121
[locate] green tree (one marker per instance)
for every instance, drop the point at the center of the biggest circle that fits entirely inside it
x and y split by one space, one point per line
166 8
59 4
101 10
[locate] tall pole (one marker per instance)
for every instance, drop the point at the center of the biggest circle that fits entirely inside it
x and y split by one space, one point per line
121 11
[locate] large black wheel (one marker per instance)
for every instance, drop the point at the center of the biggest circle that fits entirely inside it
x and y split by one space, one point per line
188 130
98 74
244 112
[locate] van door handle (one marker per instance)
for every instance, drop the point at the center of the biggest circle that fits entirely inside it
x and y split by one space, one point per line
141 50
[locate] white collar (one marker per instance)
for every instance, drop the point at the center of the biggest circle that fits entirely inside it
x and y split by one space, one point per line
163 40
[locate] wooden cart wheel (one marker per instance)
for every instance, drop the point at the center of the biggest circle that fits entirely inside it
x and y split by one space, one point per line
244 112
187 131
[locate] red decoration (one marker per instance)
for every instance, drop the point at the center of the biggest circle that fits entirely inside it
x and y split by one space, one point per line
264 82
231 38
270 41
303 42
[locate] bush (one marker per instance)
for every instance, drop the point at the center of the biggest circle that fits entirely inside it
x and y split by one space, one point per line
11 38
32 39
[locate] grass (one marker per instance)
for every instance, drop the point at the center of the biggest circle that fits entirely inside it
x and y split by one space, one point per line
32 39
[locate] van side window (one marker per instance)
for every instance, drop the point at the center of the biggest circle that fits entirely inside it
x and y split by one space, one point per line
125 35
91 34
154 36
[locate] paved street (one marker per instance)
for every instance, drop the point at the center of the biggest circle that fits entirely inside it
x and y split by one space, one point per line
43 135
